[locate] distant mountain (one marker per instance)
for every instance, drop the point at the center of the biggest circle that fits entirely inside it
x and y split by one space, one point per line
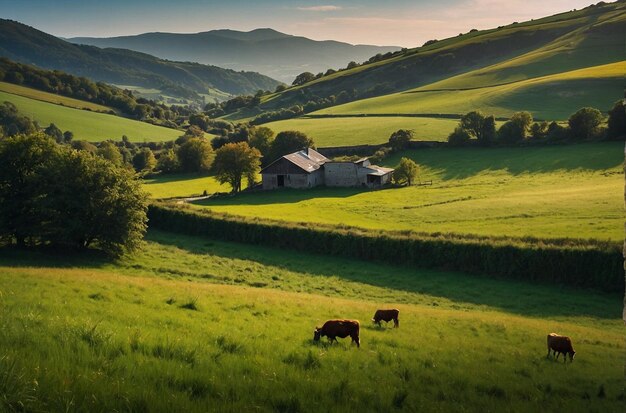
267 51
119 66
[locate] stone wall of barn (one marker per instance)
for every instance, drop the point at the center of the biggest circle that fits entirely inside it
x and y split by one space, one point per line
341 174
298 181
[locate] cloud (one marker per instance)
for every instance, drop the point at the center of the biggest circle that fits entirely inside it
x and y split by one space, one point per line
320 8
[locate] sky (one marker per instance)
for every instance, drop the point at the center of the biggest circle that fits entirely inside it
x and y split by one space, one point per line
405 23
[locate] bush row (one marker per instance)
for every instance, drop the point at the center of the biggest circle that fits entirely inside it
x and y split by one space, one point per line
576 263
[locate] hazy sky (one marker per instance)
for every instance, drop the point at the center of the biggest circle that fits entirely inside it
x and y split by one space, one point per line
382 22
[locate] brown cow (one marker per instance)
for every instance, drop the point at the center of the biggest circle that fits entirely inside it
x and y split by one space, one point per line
338 328
560 345
387 316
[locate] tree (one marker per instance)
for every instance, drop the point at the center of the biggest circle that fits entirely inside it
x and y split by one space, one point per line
539 130
287 142
109 151
459 137
144 160
68 136
522 121
195 155
303 78
84 146
617 121
23 182
96 202
556 132
51 194
584 124
472 123
168 161
352 65
400 139
235 161
407 171
261 139
488 131
54 132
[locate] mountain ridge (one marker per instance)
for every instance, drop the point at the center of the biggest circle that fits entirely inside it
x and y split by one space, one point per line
279 55
29 45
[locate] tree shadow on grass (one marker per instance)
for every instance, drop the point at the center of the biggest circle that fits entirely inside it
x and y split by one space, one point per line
523 298
12 256
460 163
285 196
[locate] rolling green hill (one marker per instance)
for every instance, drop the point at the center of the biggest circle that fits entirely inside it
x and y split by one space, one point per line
552 97
196 325
550 66
25 44
52 98
86 125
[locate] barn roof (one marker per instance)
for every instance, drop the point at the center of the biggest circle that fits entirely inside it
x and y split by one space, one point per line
378 170
308 160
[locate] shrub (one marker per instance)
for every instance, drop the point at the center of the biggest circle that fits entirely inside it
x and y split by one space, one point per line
459 137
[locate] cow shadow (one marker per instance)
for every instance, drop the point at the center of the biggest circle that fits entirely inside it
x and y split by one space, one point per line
518 297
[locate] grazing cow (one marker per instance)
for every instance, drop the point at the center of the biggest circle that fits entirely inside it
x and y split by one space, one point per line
338 328
387 316
560 345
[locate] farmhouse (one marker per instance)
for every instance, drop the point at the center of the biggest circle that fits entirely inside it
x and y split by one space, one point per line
308 168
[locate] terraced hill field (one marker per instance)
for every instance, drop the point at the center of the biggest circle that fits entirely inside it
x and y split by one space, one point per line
552 97
192 324
86 125
571 191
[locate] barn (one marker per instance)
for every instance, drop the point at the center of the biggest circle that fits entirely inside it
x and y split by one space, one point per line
308 168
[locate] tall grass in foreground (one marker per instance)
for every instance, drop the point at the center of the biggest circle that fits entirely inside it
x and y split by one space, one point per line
120 336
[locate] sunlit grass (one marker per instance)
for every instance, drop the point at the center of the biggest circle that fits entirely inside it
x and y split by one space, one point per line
551 192
95 335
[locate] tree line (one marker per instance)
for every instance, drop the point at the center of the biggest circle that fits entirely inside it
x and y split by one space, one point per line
123 100
585 124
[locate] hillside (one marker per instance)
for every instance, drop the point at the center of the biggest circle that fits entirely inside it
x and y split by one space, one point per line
85 124
564 191
119 66
519 52
278 55
195 325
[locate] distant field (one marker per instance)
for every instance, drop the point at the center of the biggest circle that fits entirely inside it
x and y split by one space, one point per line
90 126
365 130
552 97
195 325
558 191
51 97
182 185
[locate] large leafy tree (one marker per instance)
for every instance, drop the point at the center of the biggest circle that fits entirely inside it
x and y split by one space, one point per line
195 155
24 184
51 194
407 171
287 142
236 161
95 202
400 139
585 123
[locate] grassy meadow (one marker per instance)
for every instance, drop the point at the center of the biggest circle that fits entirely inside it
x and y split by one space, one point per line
87 125
552 97
52 98
348 131
547 191
190 324
182 185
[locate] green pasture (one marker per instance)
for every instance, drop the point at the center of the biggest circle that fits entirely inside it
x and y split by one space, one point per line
182 185
348 131
87 125
546 191
51 98
553 97
191 324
